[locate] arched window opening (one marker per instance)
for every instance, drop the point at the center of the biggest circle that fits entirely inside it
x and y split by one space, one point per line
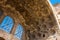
19 32
7 24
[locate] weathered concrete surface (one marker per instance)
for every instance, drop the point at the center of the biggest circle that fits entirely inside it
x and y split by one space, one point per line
35 16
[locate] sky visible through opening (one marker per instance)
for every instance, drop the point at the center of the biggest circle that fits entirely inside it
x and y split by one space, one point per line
7 24
53 2
19 31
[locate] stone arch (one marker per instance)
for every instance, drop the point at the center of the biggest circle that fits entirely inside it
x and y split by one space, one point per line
16 20
36 17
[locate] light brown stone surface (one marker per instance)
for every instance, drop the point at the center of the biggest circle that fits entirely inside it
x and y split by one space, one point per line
7 36
57 35
36 17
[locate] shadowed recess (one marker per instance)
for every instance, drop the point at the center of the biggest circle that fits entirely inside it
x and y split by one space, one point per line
1 11
2 38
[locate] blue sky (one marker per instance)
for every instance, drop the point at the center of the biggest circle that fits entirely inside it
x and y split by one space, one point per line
55 1
19 31
7 24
